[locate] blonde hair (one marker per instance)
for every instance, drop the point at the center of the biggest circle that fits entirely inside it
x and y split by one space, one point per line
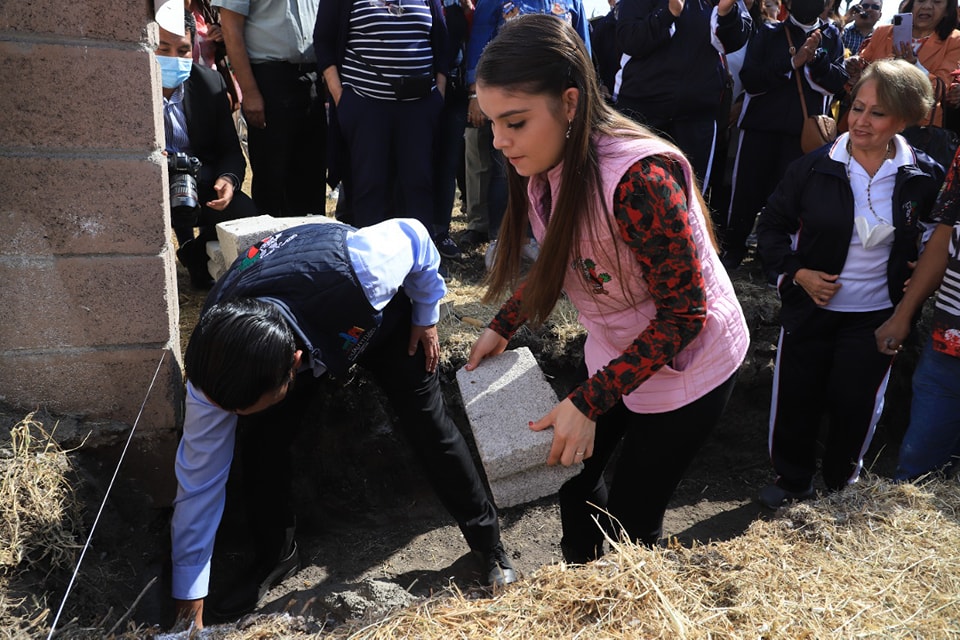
902 89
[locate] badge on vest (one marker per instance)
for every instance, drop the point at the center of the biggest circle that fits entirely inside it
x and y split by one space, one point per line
263 249
588 269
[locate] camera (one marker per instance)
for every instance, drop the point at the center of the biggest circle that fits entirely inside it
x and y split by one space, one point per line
856 10
184 201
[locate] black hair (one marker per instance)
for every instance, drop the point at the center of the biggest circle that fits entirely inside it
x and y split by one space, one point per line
947 23
191 24
240 350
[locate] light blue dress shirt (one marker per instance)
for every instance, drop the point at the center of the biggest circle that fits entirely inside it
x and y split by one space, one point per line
385 256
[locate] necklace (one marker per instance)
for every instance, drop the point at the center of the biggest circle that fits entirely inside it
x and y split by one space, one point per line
886 156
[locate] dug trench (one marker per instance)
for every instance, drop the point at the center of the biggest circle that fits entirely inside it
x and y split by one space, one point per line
371 533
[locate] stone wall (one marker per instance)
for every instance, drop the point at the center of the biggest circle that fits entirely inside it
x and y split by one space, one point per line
87 275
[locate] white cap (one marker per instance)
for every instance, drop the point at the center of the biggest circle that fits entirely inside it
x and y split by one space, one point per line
169 15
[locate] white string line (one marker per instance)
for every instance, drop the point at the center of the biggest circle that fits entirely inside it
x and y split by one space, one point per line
105 496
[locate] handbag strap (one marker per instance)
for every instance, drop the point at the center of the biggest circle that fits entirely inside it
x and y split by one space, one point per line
796 72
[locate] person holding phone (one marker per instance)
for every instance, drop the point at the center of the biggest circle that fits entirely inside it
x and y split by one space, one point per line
934 47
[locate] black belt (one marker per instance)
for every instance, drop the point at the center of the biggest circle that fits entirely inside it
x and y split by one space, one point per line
305 67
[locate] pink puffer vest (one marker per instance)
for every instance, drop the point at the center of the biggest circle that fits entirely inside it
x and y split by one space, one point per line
614 320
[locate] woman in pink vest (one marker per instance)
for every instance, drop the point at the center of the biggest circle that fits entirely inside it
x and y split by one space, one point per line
623 234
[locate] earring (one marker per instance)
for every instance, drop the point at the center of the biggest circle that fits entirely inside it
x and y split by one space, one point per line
569 129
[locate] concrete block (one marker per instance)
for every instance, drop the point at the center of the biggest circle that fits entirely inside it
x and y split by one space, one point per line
93 19
216 264
82 205
85 302
236 236
108 383
94 98
501 397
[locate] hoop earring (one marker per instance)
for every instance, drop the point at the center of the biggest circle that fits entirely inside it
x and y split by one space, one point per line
569 129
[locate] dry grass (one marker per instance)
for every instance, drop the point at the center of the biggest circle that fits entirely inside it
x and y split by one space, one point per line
878 560
39 519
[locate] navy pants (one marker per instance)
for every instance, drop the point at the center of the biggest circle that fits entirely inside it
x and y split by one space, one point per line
265 439
656 450
390 146
288 157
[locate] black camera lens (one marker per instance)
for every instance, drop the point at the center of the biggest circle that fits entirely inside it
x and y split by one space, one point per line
184 199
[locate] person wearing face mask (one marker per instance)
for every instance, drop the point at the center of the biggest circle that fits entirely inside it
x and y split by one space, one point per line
772 118
842 230
197 121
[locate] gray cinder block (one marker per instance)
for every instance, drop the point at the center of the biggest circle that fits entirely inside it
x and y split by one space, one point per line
501 397
216 264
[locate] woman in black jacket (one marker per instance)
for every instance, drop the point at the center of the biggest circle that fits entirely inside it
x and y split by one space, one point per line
840 229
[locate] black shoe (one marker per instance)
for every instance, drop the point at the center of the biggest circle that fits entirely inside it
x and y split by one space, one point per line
247 592
192 254
447 247
472 237
496 567
773 496
575 555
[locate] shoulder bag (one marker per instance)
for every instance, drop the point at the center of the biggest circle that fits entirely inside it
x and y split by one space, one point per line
817 130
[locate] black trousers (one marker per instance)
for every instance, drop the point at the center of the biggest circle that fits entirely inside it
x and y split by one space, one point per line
828 366
415 395
241 206
656 450
762 159
288 157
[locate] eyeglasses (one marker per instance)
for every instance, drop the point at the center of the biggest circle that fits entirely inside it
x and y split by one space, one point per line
875 7
395 9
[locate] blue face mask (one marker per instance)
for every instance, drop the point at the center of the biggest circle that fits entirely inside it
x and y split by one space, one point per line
174 71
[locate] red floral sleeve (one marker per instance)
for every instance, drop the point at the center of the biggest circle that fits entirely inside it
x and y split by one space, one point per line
650 207
508 319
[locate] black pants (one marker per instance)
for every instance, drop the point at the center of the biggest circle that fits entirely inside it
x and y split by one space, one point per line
762 159
265 439
656 451
241 206
828 366
696 135
288 157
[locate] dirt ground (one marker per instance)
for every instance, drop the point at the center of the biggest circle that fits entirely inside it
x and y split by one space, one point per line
371 532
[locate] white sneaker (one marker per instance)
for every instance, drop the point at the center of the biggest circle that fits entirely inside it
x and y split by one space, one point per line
490 255
531 250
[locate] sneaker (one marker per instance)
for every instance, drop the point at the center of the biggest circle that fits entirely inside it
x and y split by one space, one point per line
530 251
497 569
447 247
773 496
491 255
473 237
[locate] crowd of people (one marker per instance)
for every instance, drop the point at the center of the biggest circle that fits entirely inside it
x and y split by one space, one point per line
624 163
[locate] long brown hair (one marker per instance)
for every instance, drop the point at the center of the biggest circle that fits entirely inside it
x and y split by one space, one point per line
542 55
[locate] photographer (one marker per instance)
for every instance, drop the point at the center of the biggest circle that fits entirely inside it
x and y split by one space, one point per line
863 18
199 130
